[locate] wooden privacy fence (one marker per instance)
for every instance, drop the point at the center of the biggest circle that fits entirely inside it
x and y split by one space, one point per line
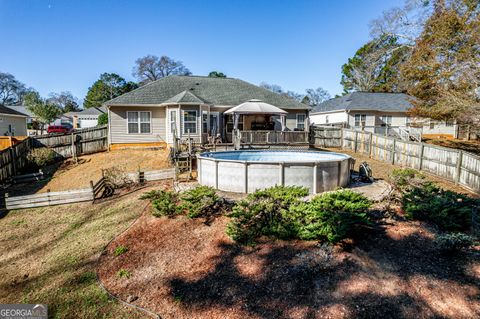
84 141
326 136
96 190
458 166
273 137
14 159
79 142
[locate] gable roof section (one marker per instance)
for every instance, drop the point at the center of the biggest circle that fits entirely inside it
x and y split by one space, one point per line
8 111
388 102
185 97
215 91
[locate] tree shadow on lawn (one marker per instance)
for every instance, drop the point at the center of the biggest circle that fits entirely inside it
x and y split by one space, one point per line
377 279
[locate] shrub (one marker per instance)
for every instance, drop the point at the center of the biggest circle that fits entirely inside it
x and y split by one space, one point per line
453 242
117 177
265 212
41 156
450 211
332 216
405 178
103 119
201 201
164 203
120 250
123 273
280 213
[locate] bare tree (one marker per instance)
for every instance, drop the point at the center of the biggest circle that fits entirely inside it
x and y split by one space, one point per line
404 23
151 68
11 90
316 96
64 100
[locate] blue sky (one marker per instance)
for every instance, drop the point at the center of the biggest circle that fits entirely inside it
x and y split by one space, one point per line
56 46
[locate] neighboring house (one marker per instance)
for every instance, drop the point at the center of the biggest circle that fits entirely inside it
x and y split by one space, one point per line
12 122
193 106
24 110
85 118
383 113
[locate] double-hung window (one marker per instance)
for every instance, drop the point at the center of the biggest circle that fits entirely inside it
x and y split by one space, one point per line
190 122
387 120
360 119
301 121
139 122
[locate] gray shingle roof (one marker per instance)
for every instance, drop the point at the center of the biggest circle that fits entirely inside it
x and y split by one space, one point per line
10 111
215 91
391 102
185 97
89 111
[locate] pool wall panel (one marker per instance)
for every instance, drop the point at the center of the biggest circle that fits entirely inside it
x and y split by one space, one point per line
247 176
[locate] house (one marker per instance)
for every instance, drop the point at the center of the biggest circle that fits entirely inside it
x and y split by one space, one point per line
85 118
382 113
24 110
12 123
195 106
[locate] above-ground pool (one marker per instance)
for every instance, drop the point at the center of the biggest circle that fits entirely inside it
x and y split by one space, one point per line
247 171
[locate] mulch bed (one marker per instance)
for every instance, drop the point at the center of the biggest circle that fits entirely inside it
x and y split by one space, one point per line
182 268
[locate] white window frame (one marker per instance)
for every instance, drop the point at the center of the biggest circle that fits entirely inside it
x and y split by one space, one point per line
196 122
298 122
170 120
360 115
140 122
385 118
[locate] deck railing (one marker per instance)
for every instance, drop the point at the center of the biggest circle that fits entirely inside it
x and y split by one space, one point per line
273 137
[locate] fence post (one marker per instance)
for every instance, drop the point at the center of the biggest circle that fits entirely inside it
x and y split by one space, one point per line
356 140
48 196
420 159
459 167
93 191
370 147
393 151
341 138
74 157
14 160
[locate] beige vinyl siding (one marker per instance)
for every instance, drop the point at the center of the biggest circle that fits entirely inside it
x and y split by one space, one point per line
19 125
291 119
119 130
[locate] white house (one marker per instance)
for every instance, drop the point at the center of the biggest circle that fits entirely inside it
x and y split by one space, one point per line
383 113
12 123
85 118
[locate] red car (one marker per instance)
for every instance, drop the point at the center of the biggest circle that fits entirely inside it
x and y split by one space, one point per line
58 129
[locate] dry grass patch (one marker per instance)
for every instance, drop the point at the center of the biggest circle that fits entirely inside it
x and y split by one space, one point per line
49 256
89 167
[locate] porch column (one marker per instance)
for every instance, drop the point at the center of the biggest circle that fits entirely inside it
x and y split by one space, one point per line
236 118
282 121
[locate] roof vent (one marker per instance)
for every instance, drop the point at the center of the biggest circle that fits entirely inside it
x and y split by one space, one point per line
197 83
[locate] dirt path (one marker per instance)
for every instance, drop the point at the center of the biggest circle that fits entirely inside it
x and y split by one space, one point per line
181 268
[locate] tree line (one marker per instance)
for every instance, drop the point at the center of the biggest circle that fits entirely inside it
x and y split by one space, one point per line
428 49
110 85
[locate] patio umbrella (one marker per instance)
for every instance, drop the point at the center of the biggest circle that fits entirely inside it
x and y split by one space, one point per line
255 106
